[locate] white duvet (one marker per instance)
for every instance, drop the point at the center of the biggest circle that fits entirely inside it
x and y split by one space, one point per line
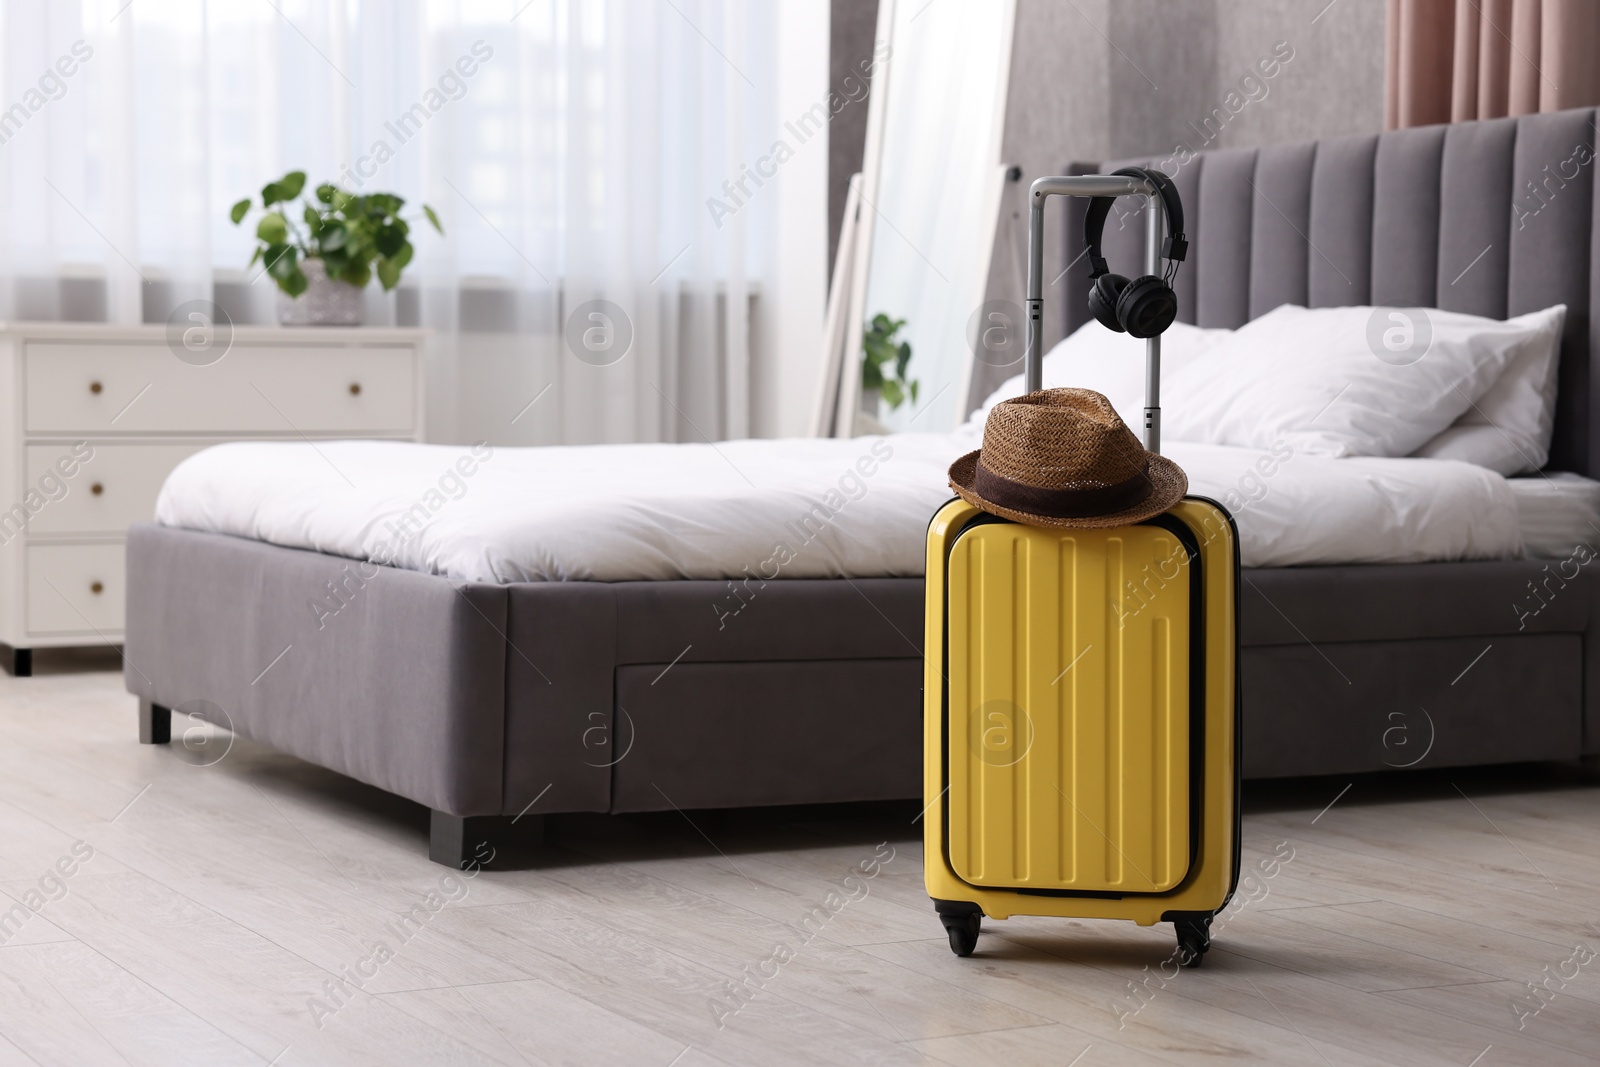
793 508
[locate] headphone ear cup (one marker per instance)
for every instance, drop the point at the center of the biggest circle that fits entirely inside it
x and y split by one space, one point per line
1146 306
1103 297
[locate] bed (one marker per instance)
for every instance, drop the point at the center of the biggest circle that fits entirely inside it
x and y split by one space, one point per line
506 668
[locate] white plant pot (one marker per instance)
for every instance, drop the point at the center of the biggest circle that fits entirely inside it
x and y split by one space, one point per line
326 301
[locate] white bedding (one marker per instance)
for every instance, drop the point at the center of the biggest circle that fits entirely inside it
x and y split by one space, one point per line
1557 512
793 508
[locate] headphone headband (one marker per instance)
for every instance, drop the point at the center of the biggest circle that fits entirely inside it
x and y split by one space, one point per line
1174 248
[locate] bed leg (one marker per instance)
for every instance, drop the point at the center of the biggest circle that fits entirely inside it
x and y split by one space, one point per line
21 662
459 841
155 723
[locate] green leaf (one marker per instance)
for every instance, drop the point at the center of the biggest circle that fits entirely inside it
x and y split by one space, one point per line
428 211
403 257
388 273
389 239
255 256
358 275
239 211
283 263
313 218
914 387
282 260
269 194
273 228
357 234
290 184
325 192
333 236
871 376
892 395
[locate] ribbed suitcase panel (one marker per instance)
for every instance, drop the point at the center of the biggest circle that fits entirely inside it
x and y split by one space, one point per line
1068 682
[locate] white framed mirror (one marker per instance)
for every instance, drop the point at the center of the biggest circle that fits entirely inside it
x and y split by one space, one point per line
929 201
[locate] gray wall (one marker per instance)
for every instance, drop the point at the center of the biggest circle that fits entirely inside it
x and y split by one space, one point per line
1108 79
852 24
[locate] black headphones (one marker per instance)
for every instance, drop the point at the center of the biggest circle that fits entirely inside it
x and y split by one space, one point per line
1145 306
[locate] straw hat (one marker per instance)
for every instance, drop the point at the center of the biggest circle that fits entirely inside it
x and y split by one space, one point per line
1062 457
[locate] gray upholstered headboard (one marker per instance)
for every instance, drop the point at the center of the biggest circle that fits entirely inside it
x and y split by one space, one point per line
1494 218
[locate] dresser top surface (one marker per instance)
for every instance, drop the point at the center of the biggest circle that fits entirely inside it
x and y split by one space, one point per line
252 334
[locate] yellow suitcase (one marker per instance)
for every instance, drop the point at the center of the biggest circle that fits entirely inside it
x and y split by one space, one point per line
1081 721
1081 716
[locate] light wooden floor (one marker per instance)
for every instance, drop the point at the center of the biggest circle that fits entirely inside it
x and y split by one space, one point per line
218 901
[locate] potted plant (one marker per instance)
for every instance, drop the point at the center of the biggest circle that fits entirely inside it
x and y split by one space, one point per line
323 258
883 370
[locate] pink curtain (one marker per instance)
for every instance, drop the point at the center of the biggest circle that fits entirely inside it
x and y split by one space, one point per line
1457 60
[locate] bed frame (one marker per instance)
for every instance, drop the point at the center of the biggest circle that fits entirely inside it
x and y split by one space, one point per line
496 705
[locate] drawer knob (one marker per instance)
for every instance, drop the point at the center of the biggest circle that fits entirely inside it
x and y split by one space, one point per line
97 489
355 388
96 388
96 588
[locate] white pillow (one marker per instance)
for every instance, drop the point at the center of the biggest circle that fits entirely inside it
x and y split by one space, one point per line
1093 357
1508 429
1351 381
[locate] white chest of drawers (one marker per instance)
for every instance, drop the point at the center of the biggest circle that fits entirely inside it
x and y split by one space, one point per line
94 417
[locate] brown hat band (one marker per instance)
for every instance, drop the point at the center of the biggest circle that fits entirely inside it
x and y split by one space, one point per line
1062 503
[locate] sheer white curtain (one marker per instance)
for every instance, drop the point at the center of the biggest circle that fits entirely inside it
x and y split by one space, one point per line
571 148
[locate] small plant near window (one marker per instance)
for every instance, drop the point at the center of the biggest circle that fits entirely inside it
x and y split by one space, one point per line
353 236
883 370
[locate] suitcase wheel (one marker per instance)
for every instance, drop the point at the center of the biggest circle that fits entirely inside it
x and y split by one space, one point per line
963 931
1194 940
962 921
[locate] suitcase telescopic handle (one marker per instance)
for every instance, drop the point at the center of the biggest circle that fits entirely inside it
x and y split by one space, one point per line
1094 185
